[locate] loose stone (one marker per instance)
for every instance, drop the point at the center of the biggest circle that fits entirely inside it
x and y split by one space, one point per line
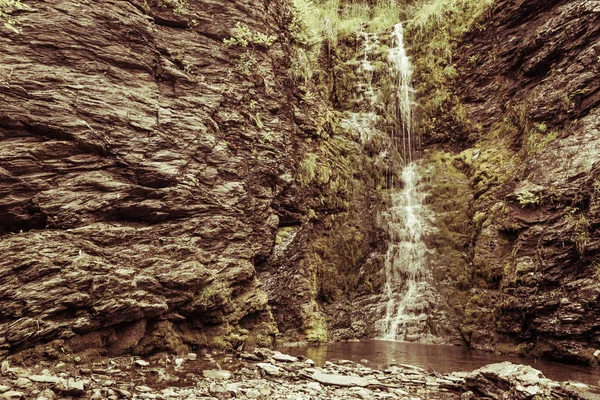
216 374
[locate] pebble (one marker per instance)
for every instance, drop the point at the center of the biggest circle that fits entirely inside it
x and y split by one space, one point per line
284 357
45 378
275 380
123 392
46 394
270 369
339 380
219 391
216 374
142 363
12 394
251 357
23 383
253 394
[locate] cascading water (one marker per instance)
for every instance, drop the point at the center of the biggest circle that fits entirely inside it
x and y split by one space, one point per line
401 71
408 293
405 263
408 218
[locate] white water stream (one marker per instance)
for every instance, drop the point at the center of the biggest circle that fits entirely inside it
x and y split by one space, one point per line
401 71
408 218
408 294
405 262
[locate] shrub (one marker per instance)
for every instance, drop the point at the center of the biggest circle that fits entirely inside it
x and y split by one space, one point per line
243 36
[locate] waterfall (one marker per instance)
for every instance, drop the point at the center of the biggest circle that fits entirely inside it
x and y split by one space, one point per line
408 294
402 73
408 219
405 262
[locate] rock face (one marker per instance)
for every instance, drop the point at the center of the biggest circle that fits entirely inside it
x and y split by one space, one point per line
530 90
148 169
136 189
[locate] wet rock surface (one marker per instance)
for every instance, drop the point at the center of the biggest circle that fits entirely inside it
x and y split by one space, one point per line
163 378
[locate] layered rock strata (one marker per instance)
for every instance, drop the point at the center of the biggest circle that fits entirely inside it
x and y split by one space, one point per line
530 90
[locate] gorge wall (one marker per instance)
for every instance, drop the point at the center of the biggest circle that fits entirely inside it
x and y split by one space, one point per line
521 142
148 170
161 189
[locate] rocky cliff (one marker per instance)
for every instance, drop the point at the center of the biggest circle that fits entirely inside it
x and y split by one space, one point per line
177 174
146 169
528 84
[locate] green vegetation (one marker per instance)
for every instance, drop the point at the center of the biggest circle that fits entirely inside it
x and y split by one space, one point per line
580 235
526 198
178 6
535 134
307 169
477 315
341 180
320 29
6 8
336 19
243 36
434 31
248 39
449 199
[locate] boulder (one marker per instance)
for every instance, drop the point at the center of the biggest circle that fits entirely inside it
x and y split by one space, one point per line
519 382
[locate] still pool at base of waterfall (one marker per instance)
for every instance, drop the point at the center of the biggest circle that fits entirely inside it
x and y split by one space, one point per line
443 359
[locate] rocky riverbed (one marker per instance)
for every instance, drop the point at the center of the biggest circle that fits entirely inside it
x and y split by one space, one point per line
266 374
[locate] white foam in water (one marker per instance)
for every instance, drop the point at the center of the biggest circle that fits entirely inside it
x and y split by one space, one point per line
405 263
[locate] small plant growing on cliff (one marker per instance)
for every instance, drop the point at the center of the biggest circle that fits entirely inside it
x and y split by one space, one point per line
581 239
178 6
526 198
307 169
243 36
596 266
596 186
581 236
6 8
246 64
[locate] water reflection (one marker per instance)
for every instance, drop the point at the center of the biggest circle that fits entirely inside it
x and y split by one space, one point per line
442 359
